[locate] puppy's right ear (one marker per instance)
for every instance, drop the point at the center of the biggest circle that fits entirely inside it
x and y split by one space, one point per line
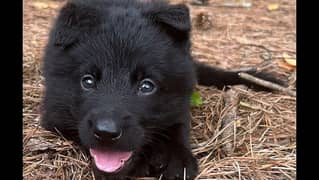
74 21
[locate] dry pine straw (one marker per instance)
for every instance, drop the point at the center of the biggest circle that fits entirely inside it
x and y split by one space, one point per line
260 140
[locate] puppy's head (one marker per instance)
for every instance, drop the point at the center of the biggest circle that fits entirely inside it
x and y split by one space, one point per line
128 72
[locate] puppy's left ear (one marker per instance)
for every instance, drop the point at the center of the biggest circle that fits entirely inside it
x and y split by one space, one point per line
173 19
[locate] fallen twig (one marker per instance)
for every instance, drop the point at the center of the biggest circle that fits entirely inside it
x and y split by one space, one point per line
267 84
231 100
244 69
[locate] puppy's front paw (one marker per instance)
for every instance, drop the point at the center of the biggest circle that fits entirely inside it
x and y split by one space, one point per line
181 165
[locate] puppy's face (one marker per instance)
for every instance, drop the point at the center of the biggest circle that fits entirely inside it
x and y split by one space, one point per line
130 74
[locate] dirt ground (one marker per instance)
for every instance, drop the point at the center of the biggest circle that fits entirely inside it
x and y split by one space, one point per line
259 142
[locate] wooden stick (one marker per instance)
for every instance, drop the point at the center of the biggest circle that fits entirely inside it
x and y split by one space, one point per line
267 84
244 69
231 99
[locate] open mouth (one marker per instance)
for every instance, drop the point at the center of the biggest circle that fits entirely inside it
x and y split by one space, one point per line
110 161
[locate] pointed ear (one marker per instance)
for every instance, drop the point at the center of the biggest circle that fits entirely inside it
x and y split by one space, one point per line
173 19
72 22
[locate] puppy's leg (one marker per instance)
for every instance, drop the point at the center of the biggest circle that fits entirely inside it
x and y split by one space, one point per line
180 158
213 76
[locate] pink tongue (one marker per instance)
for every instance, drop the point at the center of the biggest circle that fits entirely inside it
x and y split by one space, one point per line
109 161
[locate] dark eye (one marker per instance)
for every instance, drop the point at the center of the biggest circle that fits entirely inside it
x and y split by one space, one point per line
88 82
146 87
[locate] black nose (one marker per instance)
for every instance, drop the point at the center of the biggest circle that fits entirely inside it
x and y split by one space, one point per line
106 130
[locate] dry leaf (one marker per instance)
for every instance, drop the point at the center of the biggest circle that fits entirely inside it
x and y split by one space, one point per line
238 123
285 65
39 144
238 3
289 60
53 5
273 7
40 5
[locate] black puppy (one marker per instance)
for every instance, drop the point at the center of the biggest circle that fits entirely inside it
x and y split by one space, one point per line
119 76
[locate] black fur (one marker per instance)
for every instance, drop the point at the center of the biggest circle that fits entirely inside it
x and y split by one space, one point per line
121 42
